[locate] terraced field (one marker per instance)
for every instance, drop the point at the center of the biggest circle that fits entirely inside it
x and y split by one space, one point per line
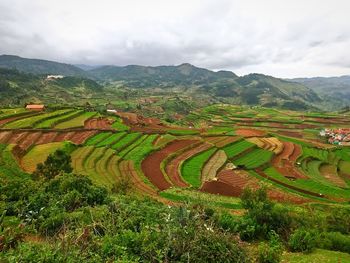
232 148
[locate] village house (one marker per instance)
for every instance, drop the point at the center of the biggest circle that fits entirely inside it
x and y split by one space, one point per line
35 107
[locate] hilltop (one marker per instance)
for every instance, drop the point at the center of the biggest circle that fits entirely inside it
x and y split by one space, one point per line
27 79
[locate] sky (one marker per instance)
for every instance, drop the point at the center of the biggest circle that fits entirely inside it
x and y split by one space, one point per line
282 38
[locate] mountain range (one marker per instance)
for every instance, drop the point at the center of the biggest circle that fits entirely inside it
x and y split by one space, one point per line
19 77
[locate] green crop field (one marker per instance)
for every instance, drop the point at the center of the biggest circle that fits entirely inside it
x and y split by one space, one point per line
254 159
236 148
125 141
141 151
111 139
130 147
35 120
76 122
192 168
38 154
49 123
94 140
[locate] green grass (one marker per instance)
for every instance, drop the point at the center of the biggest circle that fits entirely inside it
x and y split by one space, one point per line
38 154
183 132
309 185
235 148
197 197
254 159
76 122
94 140
192 167
318 256
8 165
54 121
111 139
125 141
32 121
141 151
131 146
119 125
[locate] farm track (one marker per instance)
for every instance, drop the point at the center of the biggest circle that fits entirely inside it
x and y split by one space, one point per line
172 169
151 164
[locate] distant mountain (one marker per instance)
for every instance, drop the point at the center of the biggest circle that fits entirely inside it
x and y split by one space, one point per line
197 84
335 90
17 88
38 66
143 76
87 67
224 86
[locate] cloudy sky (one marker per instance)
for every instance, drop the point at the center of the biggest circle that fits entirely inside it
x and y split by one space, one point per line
284 38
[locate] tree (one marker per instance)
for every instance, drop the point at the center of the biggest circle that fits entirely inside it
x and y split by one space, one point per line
57 163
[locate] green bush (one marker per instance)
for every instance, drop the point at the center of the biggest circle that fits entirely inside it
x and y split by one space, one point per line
302 241
270 252
335 241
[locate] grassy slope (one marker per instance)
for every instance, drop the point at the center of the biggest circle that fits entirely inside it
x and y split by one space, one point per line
38 154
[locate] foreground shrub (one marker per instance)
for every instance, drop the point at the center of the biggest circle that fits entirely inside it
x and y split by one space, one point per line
270 252
302 241
335 241
263 216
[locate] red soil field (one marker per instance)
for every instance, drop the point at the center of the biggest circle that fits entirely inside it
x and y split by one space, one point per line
64 136
98 123
151 164
221 188
5 136
81 136
233 182
172 168
290 134
17 137
285 161
127 169
47 137
250 133
29 140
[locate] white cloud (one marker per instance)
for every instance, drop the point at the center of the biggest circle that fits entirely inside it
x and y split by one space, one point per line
281 38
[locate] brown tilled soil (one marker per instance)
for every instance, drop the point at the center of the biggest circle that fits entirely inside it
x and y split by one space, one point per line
233 182
285 161
47 137
64 136
250 133
81 136
151 164
5 136
127 169
290 134
98 123
172 168
30 140
221 188
17 137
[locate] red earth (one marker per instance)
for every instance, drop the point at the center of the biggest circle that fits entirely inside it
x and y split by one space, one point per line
172 168
250 133
98 123
151 164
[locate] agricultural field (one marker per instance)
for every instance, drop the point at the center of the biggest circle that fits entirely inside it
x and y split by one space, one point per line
226 150
218 149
